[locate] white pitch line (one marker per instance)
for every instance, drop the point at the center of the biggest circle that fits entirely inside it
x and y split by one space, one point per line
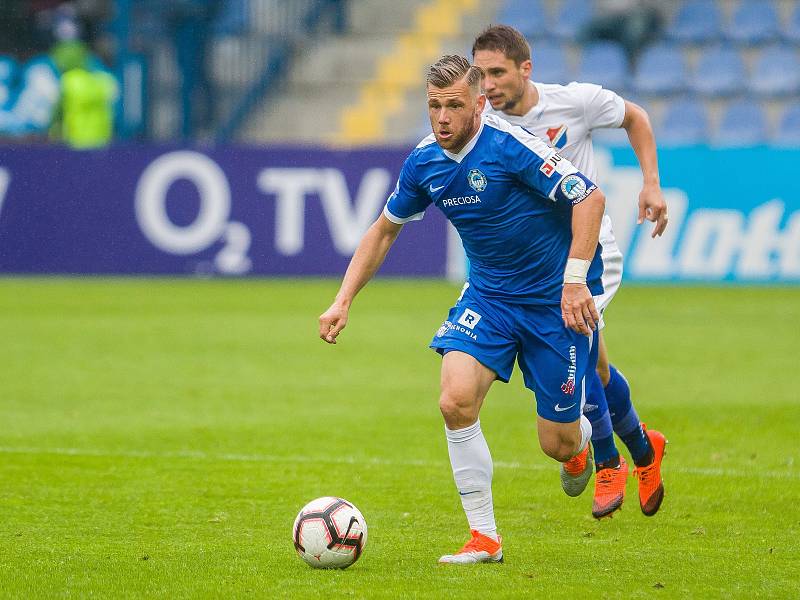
271 458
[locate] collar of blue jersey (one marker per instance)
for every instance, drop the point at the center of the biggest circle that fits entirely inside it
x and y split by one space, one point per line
470 145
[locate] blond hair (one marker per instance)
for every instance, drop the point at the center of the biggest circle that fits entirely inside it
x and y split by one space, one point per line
452 68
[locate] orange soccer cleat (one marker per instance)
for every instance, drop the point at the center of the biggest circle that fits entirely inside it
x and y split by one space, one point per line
609 489
575 473
651 487
479 549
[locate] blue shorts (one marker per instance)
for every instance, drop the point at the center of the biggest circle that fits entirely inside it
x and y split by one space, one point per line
553 359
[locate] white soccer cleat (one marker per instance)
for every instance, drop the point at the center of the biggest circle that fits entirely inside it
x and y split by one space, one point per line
479 549
576 472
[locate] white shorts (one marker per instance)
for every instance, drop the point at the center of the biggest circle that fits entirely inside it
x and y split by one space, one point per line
612 267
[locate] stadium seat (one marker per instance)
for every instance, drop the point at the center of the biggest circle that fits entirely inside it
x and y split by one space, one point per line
754 22
604 63
5 95
685 123
788 133
791 32
776 72
530 17
232 18
696 22
8 68
743 123
8 75
571 19
661 70
550 63
720 72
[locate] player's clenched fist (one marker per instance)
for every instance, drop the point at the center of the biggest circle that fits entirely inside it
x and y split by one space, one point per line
578 309
331 322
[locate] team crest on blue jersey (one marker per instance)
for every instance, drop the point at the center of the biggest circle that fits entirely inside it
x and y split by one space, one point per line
573 187
557 136
477 180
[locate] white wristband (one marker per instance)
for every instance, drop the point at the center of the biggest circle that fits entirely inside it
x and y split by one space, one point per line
576 270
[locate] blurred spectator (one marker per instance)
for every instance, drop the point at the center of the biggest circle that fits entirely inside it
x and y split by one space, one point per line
632 23
67 92
85 114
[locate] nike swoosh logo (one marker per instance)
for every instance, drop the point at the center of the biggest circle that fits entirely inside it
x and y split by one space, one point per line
468 493
434 189
560 409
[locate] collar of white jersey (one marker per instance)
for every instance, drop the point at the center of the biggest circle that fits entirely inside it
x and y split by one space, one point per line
539 106
466 149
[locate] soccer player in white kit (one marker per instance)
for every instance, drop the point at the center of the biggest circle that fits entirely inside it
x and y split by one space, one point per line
565 116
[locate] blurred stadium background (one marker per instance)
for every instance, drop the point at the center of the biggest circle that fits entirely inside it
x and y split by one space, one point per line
158 434
721 72
229 113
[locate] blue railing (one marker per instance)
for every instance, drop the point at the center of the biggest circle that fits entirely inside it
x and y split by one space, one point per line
211 62
292 25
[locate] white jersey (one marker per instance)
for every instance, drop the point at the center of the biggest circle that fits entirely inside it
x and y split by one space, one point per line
564 117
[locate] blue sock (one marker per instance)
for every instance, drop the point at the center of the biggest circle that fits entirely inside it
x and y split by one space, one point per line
625 420
596 410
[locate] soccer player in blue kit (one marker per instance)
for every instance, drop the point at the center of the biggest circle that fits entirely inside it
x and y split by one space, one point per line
529 222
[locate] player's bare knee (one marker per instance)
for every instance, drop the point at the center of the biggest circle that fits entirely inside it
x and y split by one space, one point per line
458 411
561 452
561 446
558 449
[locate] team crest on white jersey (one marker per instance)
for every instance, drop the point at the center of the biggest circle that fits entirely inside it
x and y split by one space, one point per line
557 136
477 180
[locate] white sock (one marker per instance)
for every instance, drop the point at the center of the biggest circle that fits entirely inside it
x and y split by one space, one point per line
472 471
586 432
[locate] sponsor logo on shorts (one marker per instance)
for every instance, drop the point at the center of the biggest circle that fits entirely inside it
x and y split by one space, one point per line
560 408
469 318
568 387
477 180
447 327
444 328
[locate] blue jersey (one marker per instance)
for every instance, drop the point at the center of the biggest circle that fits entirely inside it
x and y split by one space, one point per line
510 197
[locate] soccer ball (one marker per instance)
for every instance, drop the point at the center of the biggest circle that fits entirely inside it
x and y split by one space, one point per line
329 533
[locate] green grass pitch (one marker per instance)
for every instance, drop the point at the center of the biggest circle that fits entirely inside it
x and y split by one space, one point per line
157 439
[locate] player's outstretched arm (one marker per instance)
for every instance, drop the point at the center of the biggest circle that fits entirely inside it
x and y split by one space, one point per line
368 257
652 205
577 305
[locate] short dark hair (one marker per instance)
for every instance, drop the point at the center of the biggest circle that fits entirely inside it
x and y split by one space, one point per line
451 68
505 39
